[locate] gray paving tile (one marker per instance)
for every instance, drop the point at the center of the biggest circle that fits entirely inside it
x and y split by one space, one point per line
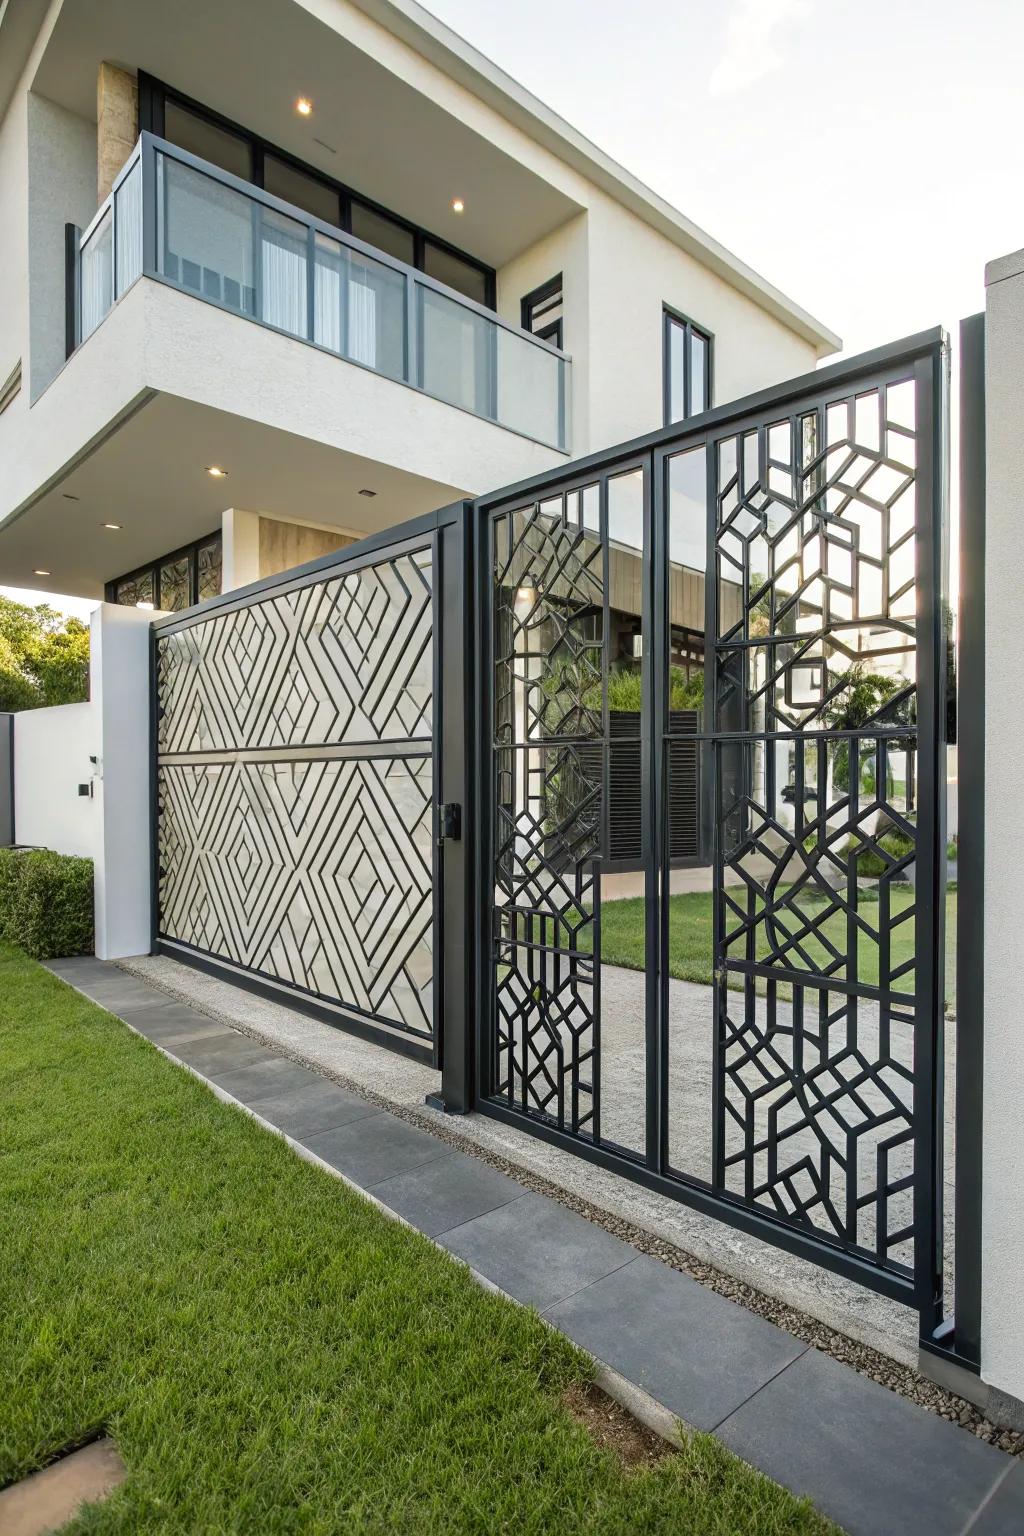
447 1192
871 1460
320 1106
1003 1515
375 1148
536 1250
117 990
697 1353
175 1023
261 1080
215 1054
81 965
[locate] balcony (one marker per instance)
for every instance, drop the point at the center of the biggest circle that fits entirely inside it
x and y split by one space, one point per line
187 224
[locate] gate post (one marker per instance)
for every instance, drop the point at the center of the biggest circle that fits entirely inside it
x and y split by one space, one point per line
1002 1331
455 731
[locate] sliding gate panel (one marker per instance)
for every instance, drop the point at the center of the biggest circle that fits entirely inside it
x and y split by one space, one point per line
760 1032
295 788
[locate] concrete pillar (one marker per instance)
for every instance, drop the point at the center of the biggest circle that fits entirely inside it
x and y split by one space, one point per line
1002 1341
117 124
119 698
240 556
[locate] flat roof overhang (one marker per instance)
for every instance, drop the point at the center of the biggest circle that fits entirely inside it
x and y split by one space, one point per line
370 129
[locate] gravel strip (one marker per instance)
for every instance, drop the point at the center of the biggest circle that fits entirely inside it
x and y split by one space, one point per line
860 1357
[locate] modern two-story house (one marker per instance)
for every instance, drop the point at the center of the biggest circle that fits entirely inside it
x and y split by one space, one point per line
278 275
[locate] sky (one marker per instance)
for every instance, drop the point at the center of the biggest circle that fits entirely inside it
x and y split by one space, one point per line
866 156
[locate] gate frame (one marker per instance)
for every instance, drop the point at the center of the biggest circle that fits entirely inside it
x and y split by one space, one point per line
926 355
446 533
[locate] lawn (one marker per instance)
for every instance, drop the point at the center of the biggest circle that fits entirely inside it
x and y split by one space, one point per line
690 933
270 1353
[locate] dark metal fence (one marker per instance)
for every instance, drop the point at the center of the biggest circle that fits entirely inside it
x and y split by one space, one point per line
812 1014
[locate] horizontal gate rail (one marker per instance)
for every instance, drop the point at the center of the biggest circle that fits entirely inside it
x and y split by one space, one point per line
827 1130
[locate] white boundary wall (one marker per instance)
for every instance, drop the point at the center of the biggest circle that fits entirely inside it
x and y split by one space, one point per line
1002 1342
53 752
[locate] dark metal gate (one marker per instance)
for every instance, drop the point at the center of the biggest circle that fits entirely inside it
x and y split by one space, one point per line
760 1036
299 740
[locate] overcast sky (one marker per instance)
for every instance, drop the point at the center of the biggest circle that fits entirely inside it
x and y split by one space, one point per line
866 156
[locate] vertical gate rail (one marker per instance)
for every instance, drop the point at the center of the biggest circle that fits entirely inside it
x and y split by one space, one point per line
826 529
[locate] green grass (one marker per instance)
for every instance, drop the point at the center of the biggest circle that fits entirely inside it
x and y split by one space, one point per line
690 935
270 1353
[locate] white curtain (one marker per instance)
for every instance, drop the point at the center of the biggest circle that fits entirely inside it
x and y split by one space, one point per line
129 229
96 276
284 271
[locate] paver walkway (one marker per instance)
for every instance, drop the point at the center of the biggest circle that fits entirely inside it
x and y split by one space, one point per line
871 1460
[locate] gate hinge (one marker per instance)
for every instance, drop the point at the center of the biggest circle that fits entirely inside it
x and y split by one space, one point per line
449 821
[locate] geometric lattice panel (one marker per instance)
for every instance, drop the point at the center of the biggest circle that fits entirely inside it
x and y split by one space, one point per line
291 841
548 692
343 660
315 873
815 713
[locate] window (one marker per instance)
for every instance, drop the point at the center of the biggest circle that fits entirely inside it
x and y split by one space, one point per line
207 140
452 270
195 128
307 192
541 311
384 233
174 581
687 367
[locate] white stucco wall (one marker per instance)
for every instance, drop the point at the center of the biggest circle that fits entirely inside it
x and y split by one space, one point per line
61 190
52 748
119 671
1002 1344
52 751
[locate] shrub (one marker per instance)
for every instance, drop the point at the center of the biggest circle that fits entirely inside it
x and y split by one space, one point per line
46 902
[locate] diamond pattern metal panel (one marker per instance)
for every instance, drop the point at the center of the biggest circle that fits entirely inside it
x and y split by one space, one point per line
344 660
294 840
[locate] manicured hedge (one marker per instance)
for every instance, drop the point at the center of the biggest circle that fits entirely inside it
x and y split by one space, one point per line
46 902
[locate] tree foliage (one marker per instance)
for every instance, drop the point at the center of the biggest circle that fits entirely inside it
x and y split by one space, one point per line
44 657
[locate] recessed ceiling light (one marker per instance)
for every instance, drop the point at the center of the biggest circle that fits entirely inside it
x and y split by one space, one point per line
216 471
40 572
114 527
458 206
68 496
365 492
304 106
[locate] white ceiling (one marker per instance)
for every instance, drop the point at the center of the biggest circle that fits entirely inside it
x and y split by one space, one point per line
149 476
251 59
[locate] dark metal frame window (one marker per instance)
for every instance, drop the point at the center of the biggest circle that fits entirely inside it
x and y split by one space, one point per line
540 311
151 571
153 98
679 330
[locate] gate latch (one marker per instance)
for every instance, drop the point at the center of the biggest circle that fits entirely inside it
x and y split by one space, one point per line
449 818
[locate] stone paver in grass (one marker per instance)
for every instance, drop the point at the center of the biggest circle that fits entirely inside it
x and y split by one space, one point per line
719 1353
536 1250
49 1499
868 1459
447 1192
375 1148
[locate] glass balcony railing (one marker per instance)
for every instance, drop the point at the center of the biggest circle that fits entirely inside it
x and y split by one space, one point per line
186 223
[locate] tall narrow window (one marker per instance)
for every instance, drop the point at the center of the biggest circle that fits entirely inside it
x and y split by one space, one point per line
687 367
541 311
